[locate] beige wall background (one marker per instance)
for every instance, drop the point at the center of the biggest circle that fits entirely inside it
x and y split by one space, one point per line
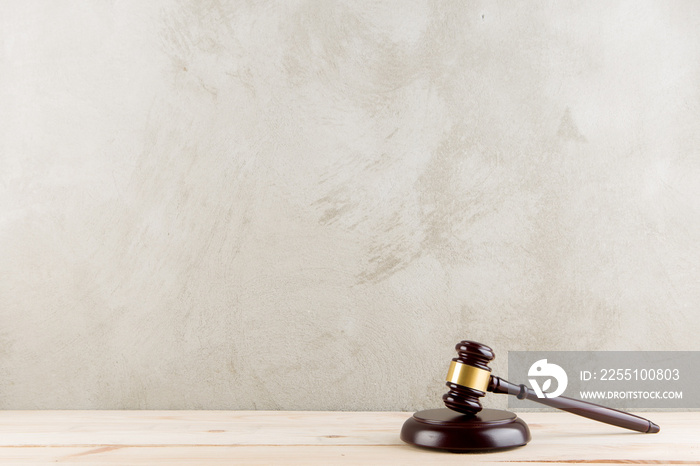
305 205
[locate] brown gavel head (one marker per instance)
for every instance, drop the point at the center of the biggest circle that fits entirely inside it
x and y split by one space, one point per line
468 377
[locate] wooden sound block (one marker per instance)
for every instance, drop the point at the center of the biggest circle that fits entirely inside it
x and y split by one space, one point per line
444 429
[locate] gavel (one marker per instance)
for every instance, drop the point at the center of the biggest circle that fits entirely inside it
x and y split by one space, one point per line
469 378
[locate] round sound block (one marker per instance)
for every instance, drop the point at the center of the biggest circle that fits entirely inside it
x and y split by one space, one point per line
444 429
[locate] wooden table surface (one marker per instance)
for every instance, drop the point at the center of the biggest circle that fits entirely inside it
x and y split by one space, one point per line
327 438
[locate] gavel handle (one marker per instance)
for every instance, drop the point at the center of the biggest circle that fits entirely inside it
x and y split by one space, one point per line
578 407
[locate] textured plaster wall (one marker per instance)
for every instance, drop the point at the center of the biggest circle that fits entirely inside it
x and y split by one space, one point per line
305 205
